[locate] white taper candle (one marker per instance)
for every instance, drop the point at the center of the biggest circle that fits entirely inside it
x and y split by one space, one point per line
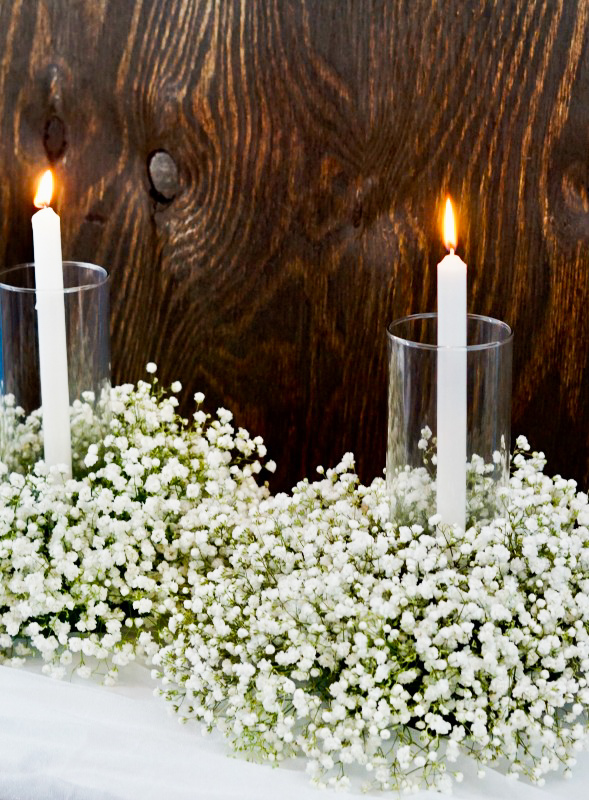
451 394
50 307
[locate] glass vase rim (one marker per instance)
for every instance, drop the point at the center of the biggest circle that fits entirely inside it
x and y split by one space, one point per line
104 277
497 323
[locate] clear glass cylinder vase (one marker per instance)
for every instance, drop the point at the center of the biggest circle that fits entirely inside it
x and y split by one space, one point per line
449 420
71 368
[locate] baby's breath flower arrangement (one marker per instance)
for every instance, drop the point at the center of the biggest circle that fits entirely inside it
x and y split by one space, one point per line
321 628
92 565
306 623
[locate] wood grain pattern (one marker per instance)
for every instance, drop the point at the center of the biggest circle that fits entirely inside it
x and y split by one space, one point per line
313 142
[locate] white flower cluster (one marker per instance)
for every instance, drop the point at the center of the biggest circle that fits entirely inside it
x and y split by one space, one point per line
413 490
91 565
21 437
322 628
304 623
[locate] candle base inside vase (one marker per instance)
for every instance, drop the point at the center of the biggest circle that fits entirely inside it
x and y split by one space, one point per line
85 300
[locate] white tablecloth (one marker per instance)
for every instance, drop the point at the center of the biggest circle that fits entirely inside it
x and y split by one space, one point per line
61 740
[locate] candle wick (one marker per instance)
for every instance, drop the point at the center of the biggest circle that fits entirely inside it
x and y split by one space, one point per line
451 251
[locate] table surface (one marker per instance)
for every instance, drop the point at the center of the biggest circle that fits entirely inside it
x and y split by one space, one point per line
73 740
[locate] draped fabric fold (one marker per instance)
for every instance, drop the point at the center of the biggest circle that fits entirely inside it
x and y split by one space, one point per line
62 740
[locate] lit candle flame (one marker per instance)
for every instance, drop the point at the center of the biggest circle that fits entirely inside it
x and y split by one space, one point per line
449 227
45 190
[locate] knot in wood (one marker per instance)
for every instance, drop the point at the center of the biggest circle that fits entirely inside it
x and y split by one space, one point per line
163 176
54 139
575 189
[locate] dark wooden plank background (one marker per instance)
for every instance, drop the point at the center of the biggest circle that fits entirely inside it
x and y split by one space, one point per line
310 145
